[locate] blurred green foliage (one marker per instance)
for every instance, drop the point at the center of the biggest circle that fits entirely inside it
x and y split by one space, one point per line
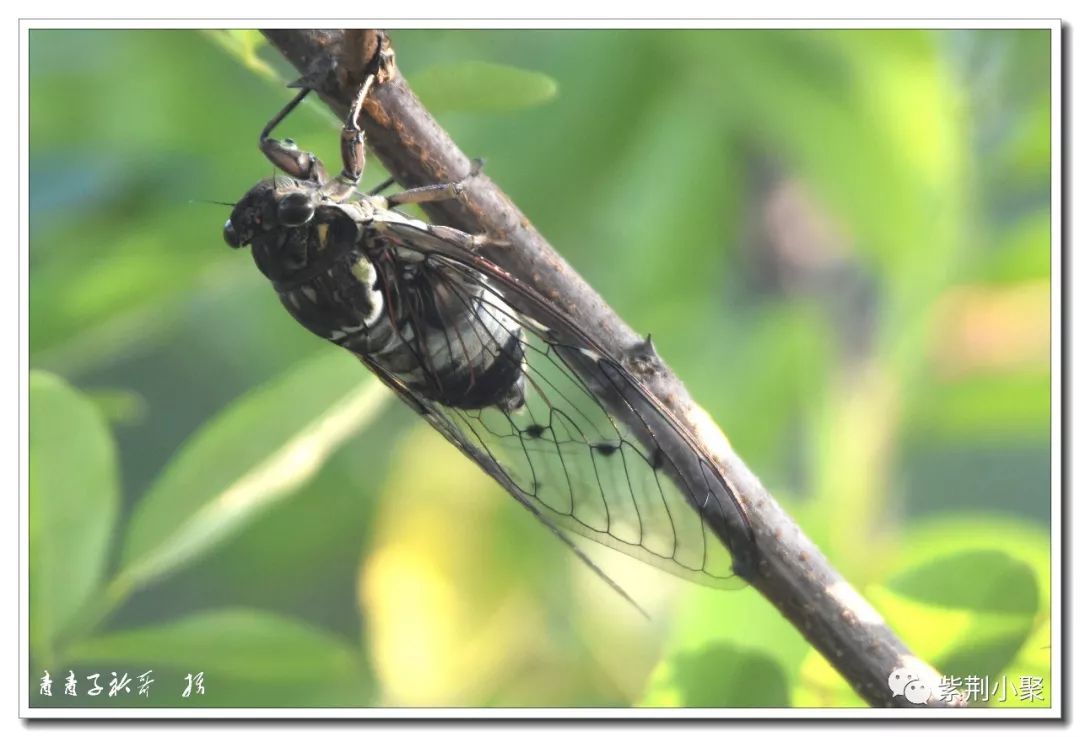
840 240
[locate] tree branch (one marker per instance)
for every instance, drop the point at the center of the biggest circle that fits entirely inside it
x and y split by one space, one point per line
793 574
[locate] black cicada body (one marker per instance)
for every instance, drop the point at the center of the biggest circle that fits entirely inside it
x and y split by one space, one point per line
501 372
351 273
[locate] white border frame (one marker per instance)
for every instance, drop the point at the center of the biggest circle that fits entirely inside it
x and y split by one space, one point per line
1057 694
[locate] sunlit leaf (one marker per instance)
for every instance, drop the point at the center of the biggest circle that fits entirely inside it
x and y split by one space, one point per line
428 589
118 405
820 686
480 86
130 281
244 658
1034 663
244 44
963 640
230 643
74 497
262 448
951 602
719 676
968 594
981 580
710 627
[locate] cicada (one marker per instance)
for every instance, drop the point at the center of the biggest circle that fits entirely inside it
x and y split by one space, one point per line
501 371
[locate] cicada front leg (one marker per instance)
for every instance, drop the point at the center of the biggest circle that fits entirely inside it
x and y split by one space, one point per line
285 154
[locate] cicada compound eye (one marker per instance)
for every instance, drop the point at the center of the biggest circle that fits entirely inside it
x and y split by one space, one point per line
295 209
231 236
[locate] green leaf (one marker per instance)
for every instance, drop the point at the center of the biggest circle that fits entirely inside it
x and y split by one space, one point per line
947 536
979 580
123 287
719 676
74 495
118 405
228 643
247 658
968 595
965 597
260 449
244 44
480 86
727 649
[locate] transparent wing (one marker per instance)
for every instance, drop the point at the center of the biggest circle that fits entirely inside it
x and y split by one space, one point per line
590 450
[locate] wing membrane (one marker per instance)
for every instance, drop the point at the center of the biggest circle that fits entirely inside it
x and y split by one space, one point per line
584 452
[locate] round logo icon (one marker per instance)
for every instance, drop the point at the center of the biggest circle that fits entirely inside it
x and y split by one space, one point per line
917 692
899 679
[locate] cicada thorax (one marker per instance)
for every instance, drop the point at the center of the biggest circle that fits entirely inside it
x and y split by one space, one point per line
363 288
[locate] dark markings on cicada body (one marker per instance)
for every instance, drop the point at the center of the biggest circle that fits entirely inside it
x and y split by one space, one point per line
348 278
523 390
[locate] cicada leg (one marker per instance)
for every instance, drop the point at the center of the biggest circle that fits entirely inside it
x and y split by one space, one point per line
352 136
352 144
429 193
285 154
435 192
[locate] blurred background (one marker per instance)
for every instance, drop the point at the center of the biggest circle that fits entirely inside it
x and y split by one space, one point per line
840 241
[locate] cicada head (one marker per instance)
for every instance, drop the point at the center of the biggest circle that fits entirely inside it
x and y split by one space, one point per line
275 218
278 202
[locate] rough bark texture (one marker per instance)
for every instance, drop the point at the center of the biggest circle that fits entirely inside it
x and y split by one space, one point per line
793 574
